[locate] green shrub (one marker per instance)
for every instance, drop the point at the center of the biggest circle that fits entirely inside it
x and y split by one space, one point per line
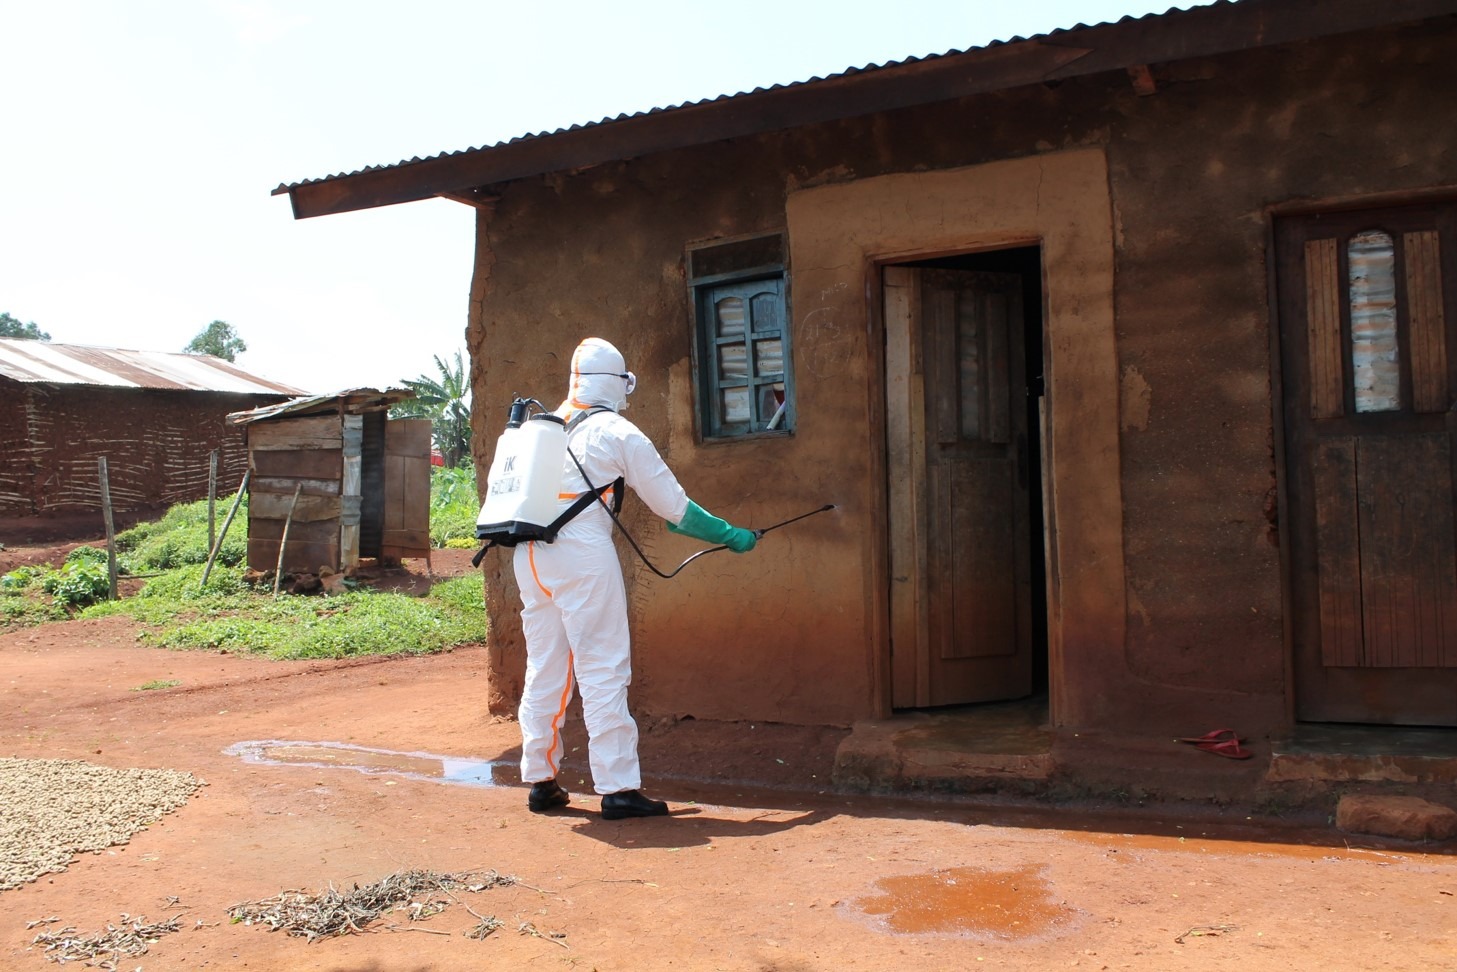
77 584
87 555
180 537
22 577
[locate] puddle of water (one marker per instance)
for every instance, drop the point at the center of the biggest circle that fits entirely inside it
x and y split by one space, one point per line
363 759
1007 904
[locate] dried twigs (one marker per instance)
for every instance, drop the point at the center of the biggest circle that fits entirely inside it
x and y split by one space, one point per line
1202 931
330 913
484 927
131 938
527 928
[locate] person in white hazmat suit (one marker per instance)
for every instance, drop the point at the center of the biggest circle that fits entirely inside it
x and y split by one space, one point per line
574 605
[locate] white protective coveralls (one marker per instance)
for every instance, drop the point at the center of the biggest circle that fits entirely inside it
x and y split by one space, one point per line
574 605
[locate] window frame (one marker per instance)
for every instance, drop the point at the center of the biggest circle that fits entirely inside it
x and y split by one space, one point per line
708 413
1397 220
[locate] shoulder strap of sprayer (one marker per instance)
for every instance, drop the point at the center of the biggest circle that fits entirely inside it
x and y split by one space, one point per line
593 494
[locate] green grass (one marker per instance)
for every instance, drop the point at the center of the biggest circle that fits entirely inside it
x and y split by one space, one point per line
157 683
175 610
231 617
19 609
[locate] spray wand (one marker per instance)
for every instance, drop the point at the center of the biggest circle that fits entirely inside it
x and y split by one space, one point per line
758 535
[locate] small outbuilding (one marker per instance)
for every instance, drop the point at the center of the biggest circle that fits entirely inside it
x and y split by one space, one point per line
344 479
155 416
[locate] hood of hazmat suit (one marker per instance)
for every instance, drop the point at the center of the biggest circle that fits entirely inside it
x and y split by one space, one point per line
599 378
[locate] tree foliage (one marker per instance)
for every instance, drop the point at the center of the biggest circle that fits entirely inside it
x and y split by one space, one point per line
218 339
11 327
444 399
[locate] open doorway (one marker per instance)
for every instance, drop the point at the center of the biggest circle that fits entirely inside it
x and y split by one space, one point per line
965 397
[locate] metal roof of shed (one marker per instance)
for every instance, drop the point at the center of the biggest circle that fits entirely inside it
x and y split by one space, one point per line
1130 43
41 362
353 401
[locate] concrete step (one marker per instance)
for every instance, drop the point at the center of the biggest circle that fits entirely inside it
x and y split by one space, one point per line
1364 754
957 750
1009 748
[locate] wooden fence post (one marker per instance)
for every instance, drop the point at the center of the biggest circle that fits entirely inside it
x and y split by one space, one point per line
212 496
283 541
223 534
110 529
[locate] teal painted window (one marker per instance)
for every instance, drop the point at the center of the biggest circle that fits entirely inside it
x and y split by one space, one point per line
743 378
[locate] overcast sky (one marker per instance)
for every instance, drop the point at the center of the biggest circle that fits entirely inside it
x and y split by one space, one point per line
141 140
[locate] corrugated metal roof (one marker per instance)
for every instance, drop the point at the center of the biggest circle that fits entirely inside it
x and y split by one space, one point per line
848 72
1178 34
35 362
353 402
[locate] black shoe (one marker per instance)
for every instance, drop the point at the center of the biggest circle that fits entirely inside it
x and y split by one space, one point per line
631 803
546 795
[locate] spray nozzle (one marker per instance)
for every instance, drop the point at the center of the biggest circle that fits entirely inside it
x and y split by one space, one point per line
519 408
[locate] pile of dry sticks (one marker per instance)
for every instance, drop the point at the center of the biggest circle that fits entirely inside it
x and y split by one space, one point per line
419 894
104 949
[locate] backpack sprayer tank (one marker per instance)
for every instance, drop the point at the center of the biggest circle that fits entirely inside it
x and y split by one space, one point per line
524 485
523 489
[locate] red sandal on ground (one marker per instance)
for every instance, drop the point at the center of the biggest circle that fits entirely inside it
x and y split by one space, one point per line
1220 742
1229 749
1212 736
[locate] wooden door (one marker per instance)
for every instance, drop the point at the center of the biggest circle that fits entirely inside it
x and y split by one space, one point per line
406 530
960 546
1366 325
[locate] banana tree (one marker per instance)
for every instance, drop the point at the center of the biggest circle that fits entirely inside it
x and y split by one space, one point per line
445 400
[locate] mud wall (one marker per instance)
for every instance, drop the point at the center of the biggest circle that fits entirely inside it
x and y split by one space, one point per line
16 475
1342 119
790 632
156 444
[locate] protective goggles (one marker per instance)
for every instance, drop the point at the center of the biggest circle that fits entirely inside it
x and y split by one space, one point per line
626 376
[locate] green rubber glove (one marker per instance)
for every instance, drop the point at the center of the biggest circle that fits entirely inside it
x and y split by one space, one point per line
703 525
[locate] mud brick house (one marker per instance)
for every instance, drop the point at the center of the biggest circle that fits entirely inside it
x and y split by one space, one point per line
343 478
1126 353
155 416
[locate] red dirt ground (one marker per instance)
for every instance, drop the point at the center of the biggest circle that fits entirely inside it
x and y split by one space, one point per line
770 870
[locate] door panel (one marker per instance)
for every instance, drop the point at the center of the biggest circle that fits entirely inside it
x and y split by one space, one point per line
981 552
961 596
1366 325
1408 585
406 530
